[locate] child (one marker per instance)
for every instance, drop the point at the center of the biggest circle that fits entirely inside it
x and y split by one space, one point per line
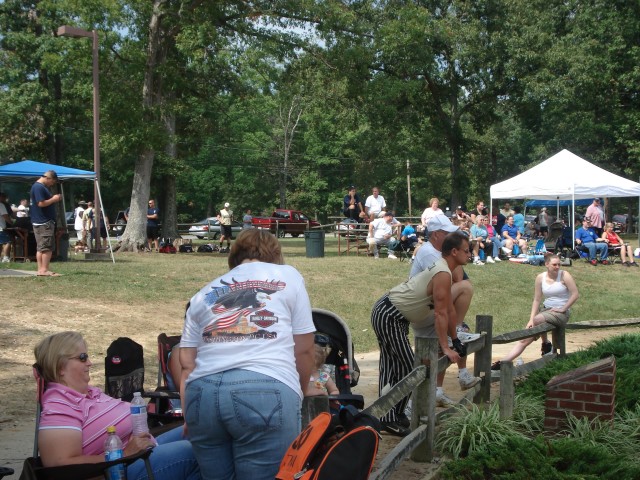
321 382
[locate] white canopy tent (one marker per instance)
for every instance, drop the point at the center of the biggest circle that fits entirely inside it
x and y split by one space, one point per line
565 176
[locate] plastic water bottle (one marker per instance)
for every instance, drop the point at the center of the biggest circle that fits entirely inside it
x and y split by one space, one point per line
519 362
139 414
113 451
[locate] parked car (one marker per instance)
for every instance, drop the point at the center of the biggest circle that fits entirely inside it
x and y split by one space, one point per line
283 221
211 227
119 224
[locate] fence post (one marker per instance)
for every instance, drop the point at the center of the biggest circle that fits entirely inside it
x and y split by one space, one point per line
558 340
506 390
423 403
482 360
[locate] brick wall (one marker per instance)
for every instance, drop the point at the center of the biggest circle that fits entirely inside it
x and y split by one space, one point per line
587 391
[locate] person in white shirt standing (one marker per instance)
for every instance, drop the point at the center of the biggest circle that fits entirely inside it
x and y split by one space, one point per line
374 204
78 213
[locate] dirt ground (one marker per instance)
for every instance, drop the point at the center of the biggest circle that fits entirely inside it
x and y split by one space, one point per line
24 321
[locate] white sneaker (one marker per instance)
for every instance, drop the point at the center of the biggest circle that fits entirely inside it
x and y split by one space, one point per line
467 380
443 401
506 251
392 256
5 260
376 256
466 337
490 260
478 262
496 259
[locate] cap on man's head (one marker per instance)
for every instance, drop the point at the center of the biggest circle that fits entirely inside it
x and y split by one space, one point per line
352 187
459 207
596 199
226 205
387 214
50 174
440 222
82 203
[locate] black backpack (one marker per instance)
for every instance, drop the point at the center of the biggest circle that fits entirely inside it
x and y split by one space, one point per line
333 447
186 248
207 247
124 369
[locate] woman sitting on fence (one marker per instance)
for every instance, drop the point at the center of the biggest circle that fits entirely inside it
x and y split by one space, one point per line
617 244
560 293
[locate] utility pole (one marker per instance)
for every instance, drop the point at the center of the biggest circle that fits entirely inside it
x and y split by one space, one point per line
409 186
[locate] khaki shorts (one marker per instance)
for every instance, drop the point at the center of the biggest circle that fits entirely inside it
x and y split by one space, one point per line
44 236
554 318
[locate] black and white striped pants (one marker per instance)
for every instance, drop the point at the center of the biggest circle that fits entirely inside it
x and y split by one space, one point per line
396 354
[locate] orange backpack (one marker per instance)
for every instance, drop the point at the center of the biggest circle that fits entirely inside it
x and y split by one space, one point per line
333 447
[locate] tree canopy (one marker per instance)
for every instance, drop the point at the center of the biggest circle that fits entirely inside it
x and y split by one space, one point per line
266 104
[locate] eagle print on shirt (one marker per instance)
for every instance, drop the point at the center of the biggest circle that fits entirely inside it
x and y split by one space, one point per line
239 310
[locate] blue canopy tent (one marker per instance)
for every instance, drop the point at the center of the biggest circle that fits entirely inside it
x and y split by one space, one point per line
30 170
556 203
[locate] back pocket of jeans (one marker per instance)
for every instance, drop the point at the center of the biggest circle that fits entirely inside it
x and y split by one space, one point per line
258 410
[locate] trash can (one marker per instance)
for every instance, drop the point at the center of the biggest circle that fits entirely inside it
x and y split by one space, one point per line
314 243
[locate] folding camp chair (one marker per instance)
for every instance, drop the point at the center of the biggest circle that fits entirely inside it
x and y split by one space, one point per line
166 404
33 468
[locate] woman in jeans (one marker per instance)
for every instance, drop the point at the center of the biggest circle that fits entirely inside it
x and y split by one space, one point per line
247 352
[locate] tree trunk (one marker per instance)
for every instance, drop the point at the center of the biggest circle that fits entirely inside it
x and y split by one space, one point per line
169 212
135 235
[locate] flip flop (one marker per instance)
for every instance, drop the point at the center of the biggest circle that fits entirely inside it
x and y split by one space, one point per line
49 274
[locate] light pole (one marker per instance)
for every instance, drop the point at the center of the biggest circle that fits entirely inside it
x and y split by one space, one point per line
67 31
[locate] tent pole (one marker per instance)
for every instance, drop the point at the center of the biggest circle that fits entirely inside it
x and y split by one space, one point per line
106 226
573 216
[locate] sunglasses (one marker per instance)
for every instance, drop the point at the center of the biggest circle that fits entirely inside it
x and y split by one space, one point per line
83 357
322 340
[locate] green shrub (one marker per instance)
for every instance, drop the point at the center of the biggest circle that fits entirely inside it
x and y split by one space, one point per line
625 348
472 429
517 458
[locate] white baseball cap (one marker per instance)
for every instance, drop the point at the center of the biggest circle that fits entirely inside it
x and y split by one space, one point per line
440 222
226 205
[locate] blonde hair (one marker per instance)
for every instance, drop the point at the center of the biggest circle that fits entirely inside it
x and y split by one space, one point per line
255 244
608 225
434 199
53 352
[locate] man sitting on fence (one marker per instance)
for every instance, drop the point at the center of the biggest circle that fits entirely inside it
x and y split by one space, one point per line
424 302
381 233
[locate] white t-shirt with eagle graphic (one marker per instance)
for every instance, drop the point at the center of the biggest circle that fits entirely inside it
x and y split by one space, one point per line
246 319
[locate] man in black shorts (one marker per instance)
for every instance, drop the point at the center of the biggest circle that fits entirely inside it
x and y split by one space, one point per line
153 219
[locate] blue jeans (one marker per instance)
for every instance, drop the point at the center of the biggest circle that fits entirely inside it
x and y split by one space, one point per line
172 459
497 244
597 248
241 423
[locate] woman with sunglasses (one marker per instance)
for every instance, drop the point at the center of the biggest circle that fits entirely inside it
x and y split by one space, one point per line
617 244
75 417
247 352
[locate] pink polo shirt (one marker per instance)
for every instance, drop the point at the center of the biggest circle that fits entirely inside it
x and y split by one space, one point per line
91 414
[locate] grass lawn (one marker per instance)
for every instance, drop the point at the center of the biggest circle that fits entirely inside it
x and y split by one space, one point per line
346 285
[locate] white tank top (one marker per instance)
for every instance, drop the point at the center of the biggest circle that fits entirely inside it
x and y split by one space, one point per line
556 294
